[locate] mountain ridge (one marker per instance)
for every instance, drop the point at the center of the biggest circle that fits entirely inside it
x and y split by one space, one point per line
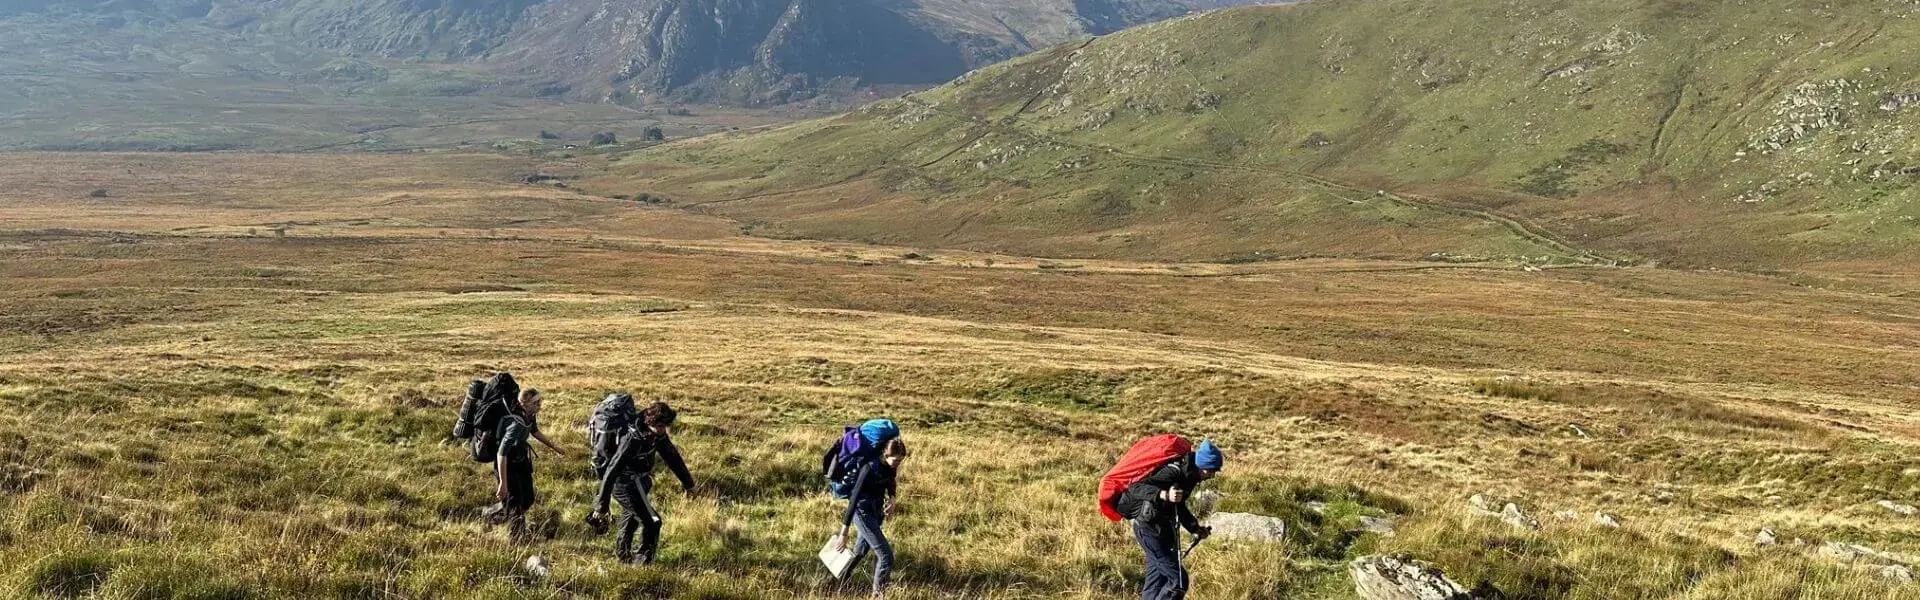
1758 136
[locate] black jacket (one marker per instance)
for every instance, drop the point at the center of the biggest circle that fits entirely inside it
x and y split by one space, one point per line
634 459
876 480
1142 501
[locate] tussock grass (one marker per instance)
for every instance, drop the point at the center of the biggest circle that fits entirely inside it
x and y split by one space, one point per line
1519 389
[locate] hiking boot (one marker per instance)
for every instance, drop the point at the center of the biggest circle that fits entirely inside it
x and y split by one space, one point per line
625 558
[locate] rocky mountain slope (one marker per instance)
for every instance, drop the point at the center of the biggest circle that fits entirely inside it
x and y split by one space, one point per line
629 51
1761 134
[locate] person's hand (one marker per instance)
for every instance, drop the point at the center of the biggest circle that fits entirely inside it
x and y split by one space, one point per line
891 507
1206 531
502 494
840 543
1176 495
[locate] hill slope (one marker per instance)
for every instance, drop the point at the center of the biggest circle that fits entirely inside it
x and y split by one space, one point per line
1763 134
626 51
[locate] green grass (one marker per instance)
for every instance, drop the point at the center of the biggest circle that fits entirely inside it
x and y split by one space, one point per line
1627 128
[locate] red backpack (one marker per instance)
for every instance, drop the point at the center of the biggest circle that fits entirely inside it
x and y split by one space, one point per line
1139 462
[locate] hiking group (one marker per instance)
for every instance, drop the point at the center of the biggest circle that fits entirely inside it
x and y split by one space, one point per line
499 420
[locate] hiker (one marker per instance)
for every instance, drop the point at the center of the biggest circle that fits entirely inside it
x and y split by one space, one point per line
1159 501
513 468
628 478
872 495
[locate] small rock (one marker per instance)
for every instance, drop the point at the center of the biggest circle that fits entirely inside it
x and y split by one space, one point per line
1898 508
1766 537
1482 503
1607 520
1515 516
1249 527
1898 573
1855 553
1402 578
538 567
1377 526
1317 507
1567 515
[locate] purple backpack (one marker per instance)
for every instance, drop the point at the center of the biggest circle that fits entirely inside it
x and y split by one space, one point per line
842 462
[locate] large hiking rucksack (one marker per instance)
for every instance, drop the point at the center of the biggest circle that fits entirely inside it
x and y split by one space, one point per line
500 398
842 461
1140 461
469 410
610 422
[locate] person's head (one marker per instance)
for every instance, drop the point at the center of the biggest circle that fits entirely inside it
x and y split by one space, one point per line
1208 459
894 452
530 401
659 417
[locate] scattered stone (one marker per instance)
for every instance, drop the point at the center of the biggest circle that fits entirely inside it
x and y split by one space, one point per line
538 567
1482 503
1402 578
1517 517
1317 507
1903 510
1567 515
1766 538
1607 520
1378 526
1855 553
1248 527
1897 573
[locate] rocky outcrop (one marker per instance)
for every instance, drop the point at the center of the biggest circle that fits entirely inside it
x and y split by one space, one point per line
1402 578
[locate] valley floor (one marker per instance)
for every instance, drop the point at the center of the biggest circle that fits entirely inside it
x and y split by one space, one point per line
232 376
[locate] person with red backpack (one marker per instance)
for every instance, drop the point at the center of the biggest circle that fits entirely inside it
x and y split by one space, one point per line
1151 486
627 476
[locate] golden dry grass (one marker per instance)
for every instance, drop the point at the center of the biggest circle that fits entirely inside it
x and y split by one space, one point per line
202 408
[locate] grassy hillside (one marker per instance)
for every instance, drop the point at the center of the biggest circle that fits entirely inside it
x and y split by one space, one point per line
1759 134
233 377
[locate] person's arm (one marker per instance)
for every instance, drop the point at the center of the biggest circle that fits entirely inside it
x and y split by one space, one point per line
1186 517
606 477
549 443
670 454
853 500
512 448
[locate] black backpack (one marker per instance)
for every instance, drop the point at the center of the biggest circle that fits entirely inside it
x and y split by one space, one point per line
469 410
610 422
499 398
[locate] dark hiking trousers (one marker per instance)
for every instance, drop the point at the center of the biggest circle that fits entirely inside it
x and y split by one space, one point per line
634 496
868 516
1166 578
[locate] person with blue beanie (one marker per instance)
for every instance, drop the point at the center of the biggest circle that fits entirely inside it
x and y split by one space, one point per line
1159 502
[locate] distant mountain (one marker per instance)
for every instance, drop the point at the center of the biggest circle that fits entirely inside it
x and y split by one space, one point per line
629 51
1759 134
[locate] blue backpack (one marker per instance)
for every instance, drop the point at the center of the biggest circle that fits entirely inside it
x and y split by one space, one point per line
843 460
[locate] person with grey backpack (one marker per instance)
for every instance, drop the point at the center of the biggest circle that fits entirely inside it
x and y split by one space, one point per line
627 476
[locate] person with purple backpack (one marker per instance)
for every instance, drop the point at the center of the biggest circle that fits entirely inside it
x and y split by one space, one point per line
864 470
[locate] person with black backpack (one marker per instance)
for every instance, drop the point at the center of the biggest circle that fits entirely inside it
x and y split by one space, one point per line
513 467
864 469
628 478
1156 504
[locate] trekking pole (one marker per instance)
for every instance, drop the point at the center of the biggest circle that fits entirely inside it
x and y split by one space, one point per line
1190 547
